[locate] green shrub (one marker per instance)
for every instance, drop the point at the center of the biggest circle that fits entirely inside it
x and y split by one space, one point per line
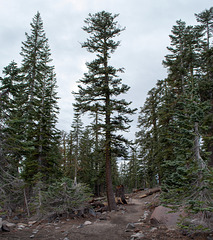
63 196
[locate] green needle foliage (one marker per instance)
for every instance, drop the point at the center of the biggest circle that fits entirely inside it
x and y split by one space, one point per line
101 86
40 108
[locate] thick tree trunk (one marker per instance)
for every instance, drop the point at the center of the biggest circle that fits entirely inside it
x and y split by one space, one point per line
110 195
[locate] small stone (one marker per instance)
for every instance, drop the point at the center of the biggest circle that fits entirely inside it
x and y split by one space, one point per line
153 229
66 238
30 223
21 225
103 218
15 218
32 236
35 231
80 226
130 226
87 223
92 212
137 236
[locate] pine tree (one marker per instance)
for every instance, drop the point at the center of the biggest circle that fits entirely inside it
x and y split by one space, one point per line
101 86
40 105
77 127
12 134
148 136
12 141
205 18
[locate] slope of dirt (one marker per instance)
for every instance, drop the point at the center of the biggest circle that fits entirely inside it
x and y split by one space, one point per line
108 226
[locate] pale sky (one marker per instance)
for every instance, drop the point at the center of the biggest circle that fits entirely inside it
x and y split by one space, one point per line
143 44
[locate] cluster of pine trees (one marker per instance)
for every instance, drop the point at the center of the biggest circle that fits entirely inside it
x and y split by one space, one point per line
175 140
29 139
173 147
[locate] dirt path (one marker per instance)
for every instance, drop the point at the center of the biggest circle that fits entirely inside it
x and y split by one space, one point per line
109 226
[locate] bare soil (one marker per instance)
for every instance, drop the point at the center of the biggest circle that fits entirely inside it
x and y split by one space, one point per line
111 227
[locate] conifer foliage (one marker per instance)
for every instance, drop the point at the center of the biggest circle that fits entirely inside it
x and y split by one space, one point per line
176 116
100 86
40 108
29 139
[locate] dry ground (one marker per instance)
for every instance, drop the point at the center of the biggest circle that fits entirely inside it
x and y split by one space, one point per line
111 227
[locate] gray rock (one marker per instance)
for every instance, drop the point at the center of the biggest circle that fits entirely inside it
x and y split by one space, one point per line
92 212
15 218
4 217
87 223
103 218
137 236
130 226
81 226
10 225
5 228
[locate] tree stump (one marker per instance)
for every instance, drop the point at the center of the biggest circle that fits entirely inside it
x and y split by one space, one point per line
120 197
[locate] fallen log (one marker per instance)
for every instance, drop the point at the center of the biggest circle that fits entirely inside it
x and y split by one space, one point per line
138 190
150 192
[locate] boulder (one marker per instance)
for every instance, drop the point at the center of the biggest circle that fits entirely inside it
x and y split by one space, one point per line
166 216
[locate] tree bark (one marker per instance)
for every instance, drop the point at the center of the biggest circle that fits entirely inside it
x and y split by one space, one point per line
110 196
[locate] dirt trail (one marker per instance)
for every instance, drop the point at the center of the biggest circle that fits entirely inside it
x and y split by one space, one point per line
109 226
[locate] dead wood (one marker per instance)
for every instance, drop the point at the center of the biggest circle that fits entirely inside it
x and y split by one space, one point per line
150 192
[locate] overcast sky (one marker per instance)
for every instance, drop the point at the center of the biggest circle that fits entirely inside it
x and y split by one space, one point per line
143 44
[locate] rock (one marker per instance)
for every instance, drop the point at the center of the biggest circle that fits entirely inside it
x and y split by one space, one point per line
5 228
5 225
30 223
80 226
0 223
21 226
87 223
4 217
130 227
92 212
163 215
153 229
32 236
144 217
137 236
103 218
10 225
16 218
35 231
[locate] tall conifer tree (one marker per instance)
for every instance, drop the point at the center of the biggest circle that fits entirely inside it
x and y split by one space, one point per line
40 104
101 86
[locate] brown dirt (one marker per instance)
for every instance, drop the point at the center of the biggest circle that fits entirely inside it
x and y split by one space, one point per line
112 228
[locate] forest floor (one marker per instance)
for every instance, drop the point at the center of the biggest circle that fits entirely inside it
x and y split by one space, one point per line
115 225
